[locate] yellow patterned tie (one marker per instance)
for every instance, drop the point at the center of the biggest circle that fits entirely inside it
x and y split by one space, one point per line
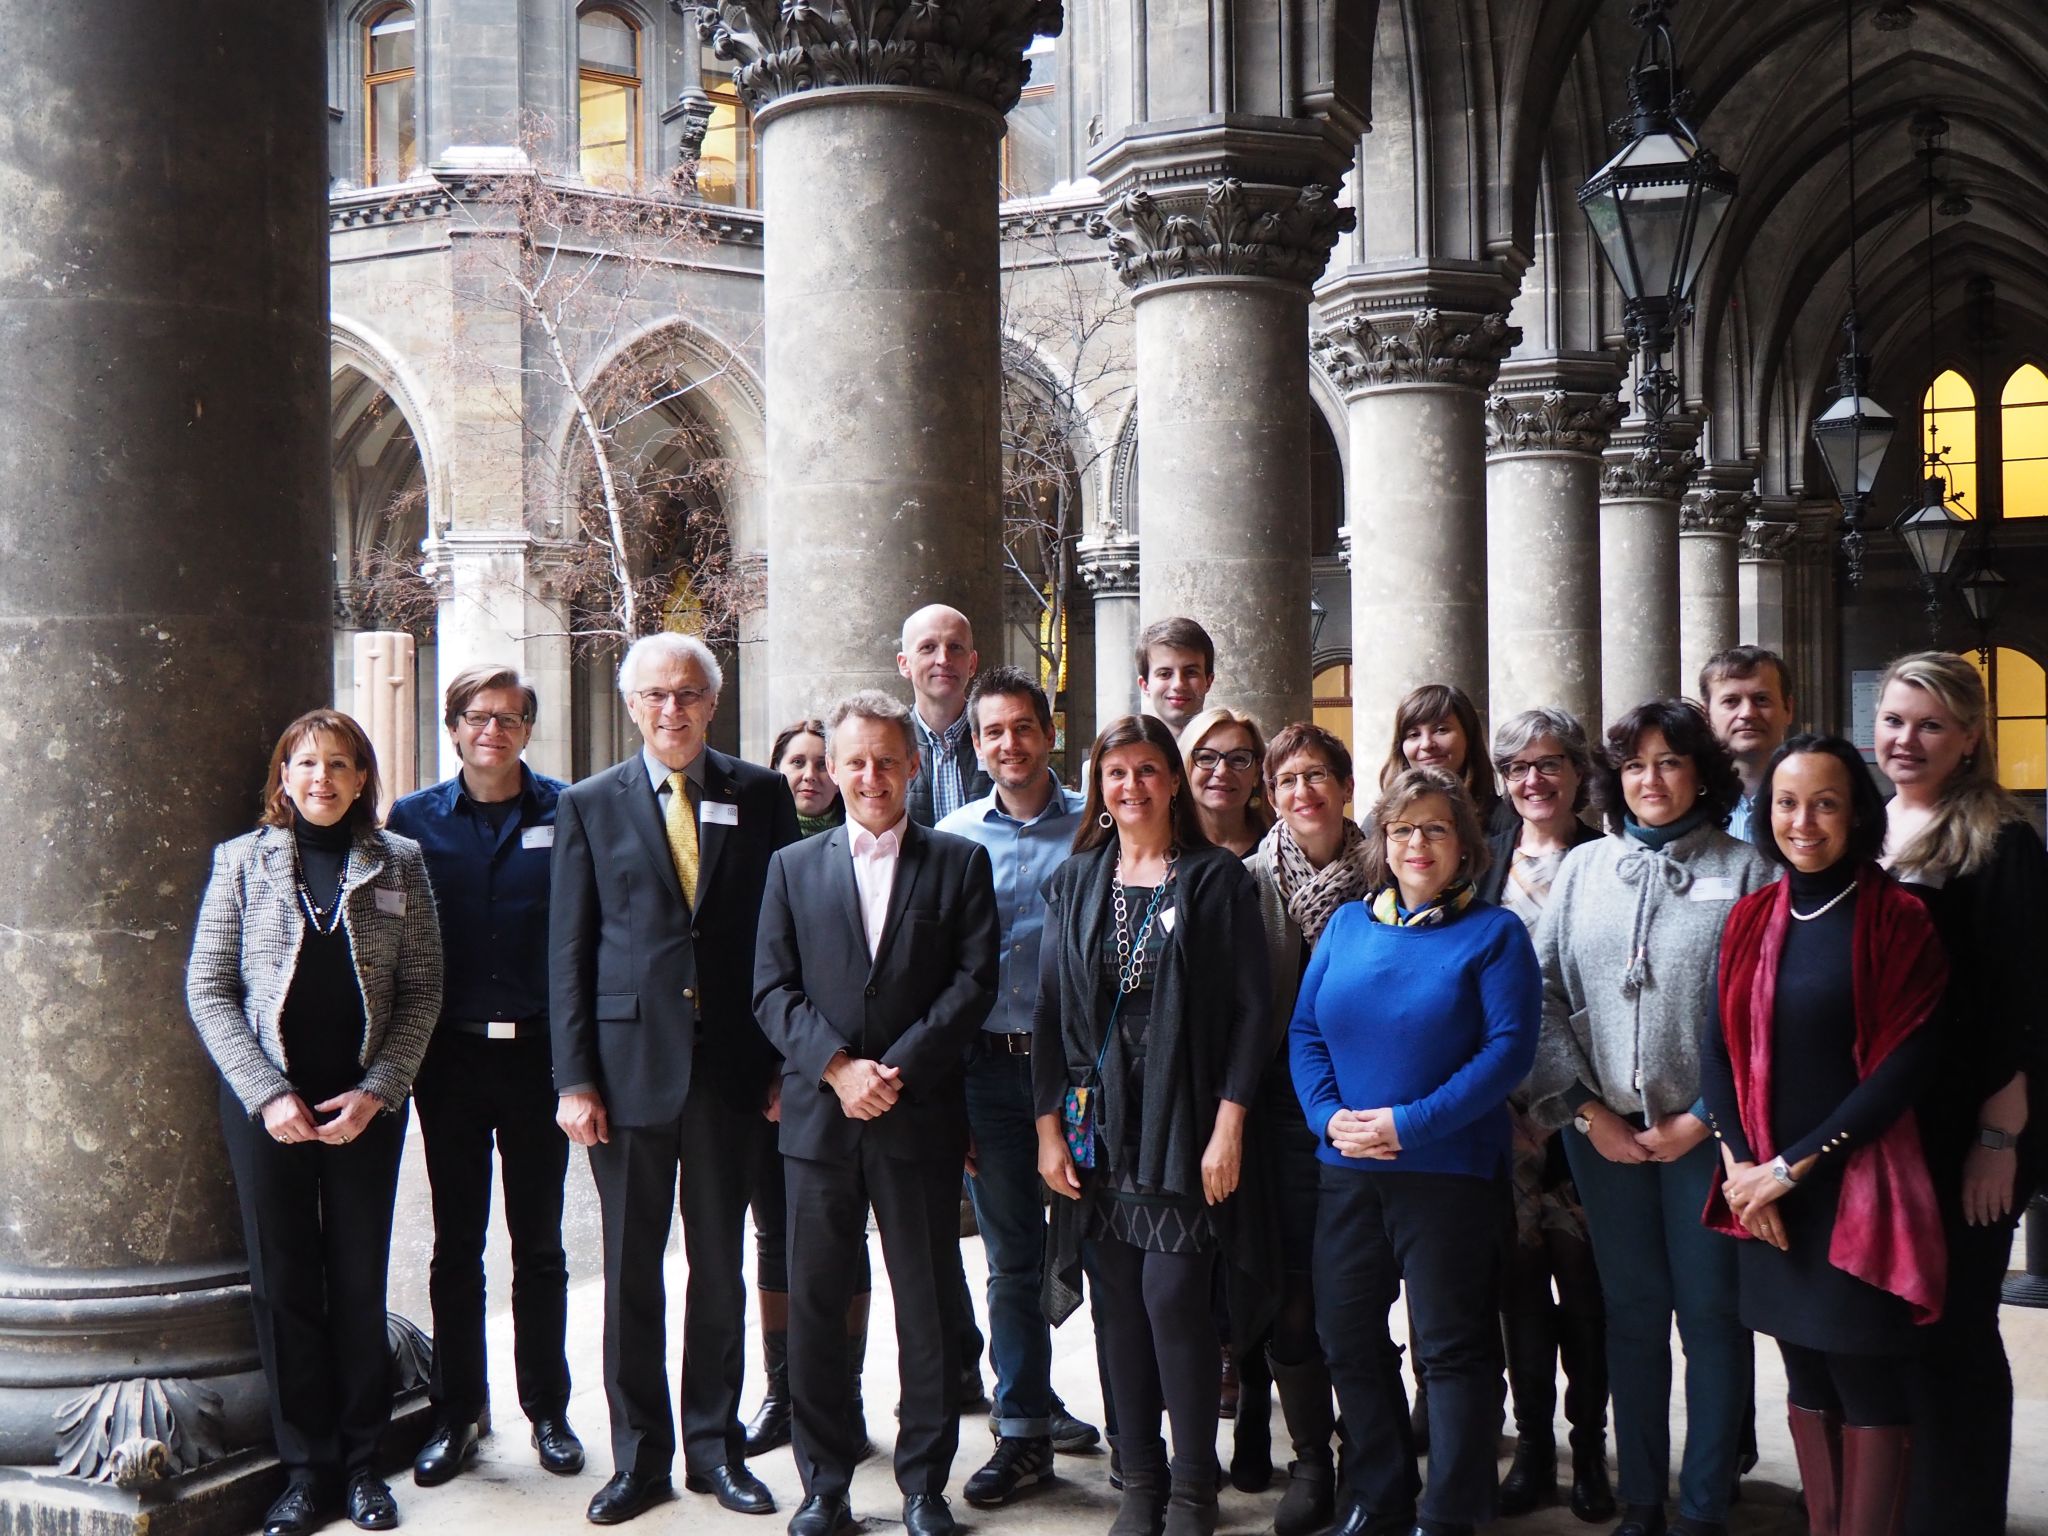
682 836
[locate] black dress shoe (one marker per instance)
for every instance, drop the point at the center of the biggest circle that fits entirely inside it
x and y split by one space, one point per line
1641 1520
926 1514
560 1451
735 1487
370 1505
822 1514
1357 1520
294 1514
452 1447
627 1495
1592 1493
1531 1479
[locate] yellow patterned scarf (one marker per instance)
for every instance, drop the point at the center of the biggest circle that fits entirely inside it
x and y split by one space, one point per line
1454 898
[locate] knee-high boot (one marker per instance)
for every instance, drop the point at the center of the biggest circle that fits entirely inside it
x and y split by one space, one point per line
770 1427
1817 1445
1875 1466
1310 1502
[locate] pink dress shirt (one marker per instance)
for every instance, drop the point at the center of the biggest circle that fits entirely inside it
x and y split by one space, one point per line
874 875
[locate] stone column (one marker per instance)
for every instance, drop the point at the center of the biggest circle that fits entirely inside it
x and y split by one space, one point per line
1220 274
879 291
1416 378
1762 588
1544 439
165 609
1108 568
1639 623
1710 520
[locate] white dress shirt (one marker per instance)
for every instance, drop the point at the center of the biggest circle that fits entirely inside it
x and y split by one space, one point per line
874 874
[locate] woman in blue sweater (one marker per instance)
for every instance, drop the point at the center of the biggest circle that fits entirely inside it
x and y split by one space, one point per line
1417 1016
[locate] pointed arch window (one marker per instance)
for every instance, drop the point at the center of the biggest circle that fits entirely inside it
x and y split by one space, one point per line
2023 418
1948 420
2018 690
608 96
390 76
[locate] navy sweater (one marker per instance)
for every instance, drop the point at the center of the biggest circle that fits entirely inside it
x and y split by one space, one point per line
1439 1023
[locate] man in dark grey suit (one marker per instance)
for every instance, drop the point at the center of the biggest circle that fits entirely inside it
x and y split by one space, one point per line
877 964
658 870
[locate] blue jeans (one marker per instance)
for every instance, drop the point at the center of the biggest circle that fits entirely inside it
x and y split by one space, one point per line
1010 1211
1655 1258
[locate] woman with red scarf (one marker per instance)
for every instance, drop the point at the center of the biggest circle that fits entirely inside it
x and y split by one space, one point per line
1827 977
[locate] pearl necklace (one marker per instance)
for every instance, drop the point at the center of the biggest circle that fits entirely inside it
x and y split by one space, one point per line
1822 909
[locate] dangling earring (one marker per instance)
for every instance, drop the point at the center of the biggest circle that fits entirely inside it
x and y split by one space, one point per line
1969 761
1105 821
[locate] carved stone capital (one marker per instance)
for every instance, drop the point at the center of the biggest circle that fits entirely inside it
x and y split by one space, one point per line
1554 421
1108 567
1427 346
1225 228
1765 539
1714 511
139 1431
1647 473
968 48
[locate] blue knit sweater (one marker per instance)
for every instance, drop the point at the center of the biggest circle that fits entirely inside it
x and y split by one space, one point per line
1438 1022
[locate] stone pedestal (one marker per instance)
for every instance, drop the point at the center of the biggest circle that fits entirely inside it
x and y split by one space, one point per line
1639 611
879 291
165 607
1415 377
1109 570
1710 521
1762 586
1543 446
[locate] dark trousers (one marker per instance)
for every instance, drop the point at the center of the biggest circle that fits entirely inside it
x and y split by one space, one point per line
472 1092
715 1146
1542 1327
1158 1341
917 1209
1009 1208
1439 1233
317 1222
769 1201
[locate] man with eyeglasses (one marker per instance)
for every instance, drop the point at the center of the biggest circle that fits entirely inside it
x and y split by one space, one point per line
661 1070
487 834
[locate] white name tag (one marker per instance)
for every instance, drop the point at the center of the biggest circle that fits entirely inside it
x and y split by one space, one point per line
502 1029
537 837
721 812
1712 888
392 902
1166 919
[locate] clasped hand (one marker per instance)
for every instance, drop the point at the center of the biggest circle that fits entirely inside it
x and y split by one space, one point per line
1365 1133
1752 1192
867 1089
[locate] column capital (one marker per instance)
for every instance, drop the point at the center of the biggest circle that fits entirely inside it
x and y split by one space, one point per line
1715 510
973 49
1644 473
1362 351
1224 227
1550 421
1108 566
1766 539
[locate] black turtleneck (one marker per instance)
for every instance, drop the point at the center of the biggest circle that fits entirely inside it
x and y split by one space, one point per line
322 1021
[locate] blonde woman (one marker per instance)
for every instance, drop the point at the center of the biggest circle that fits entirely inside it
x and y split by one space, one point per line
1225 757
1964 846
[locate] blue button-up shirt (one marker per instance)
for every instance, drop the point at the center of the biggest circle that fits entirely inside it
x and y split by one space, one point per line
1023 855
1742 820
491 891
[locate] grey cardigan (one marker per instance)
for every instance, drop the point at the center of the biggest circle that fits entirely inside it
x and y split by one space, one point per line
1630 944
246 948
1283 941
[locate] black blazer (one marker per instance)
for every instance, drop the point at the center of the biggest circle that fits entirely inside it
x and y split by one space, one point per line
1500 842
641 991
915 1006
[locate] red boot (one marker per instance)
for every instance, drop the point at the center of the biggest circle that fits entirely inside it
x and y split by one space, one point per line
1874 1471
1817 1442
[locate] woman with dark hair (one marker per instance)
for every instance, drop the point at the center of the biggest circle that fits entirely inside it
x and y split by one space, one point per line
1629 941
1311 863
799 756
1417 1015
315 983
1224 755
1963 845
1826 977
1149 1038
1542 757
1437 726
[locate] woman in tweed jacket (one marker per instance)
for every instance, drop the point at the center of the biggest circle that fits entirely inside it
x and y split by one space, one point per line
315 981
1629 944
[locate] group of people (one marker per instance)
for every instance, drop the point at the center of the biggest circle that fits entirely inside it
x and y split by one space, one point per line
1752 1053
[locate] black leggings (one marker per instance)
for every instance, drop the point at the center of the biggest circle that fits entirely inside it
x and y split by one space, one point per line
1867 1391
1159 1340
771 1227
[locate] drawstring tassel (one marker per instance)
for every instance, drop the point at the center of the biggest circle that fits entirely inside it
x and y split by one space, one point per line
1637 975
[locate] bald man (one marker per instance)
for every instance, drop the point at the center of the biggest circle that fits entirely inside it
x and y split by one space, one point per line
939 660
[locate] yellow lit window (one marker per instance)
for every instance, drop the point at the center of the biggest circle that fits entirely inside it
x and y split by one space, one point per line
2018 689
2023 413
608 97
1332 704
1949 420
725 165
390 137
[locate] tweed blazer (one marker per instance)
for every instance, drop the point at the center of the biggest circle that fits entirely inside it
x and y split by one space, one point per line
246 949
1630 943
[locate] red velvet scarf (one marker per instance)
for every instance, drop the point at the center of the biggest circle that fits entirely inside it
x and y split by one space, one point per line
1887 1229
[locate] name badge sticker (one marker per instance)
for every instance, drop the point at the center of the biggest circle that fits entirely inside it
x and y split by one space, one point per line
392 902
1712 888
721 812
537 837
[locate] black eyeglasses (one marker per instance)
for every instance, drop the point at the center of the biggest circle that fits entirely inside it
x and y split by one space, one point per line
1239 760
477 719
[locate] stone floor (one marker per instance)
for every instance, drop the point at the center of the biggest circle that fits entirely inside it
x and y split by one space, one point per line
506 1493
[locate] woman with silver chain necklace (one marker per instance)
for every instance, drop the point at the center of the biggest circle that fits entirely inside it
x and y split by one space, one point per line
1151 1030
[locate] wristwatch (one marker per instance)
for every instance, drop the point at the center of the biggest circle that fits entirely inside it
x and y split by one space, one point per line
1991 1136
1583 1124
1782 1172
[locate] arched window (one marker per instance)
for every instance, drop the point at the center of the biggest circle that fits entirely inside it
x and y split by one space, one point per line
608 96
2018 689
390 138
725 165
1332 702
2023 416
1949 420
1031 147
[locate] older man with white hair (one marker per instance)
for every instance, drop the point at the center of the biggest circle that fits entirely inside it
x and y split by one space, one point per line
659 867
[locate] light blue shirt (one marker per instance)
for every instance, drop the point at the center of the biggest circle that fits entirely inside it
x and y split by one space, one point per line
1023 855
1741 820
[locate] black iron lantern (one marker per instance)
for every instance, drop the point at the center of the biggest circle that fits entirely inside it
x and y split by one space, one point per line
1854 432
1983 593
1932 533
1318 615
